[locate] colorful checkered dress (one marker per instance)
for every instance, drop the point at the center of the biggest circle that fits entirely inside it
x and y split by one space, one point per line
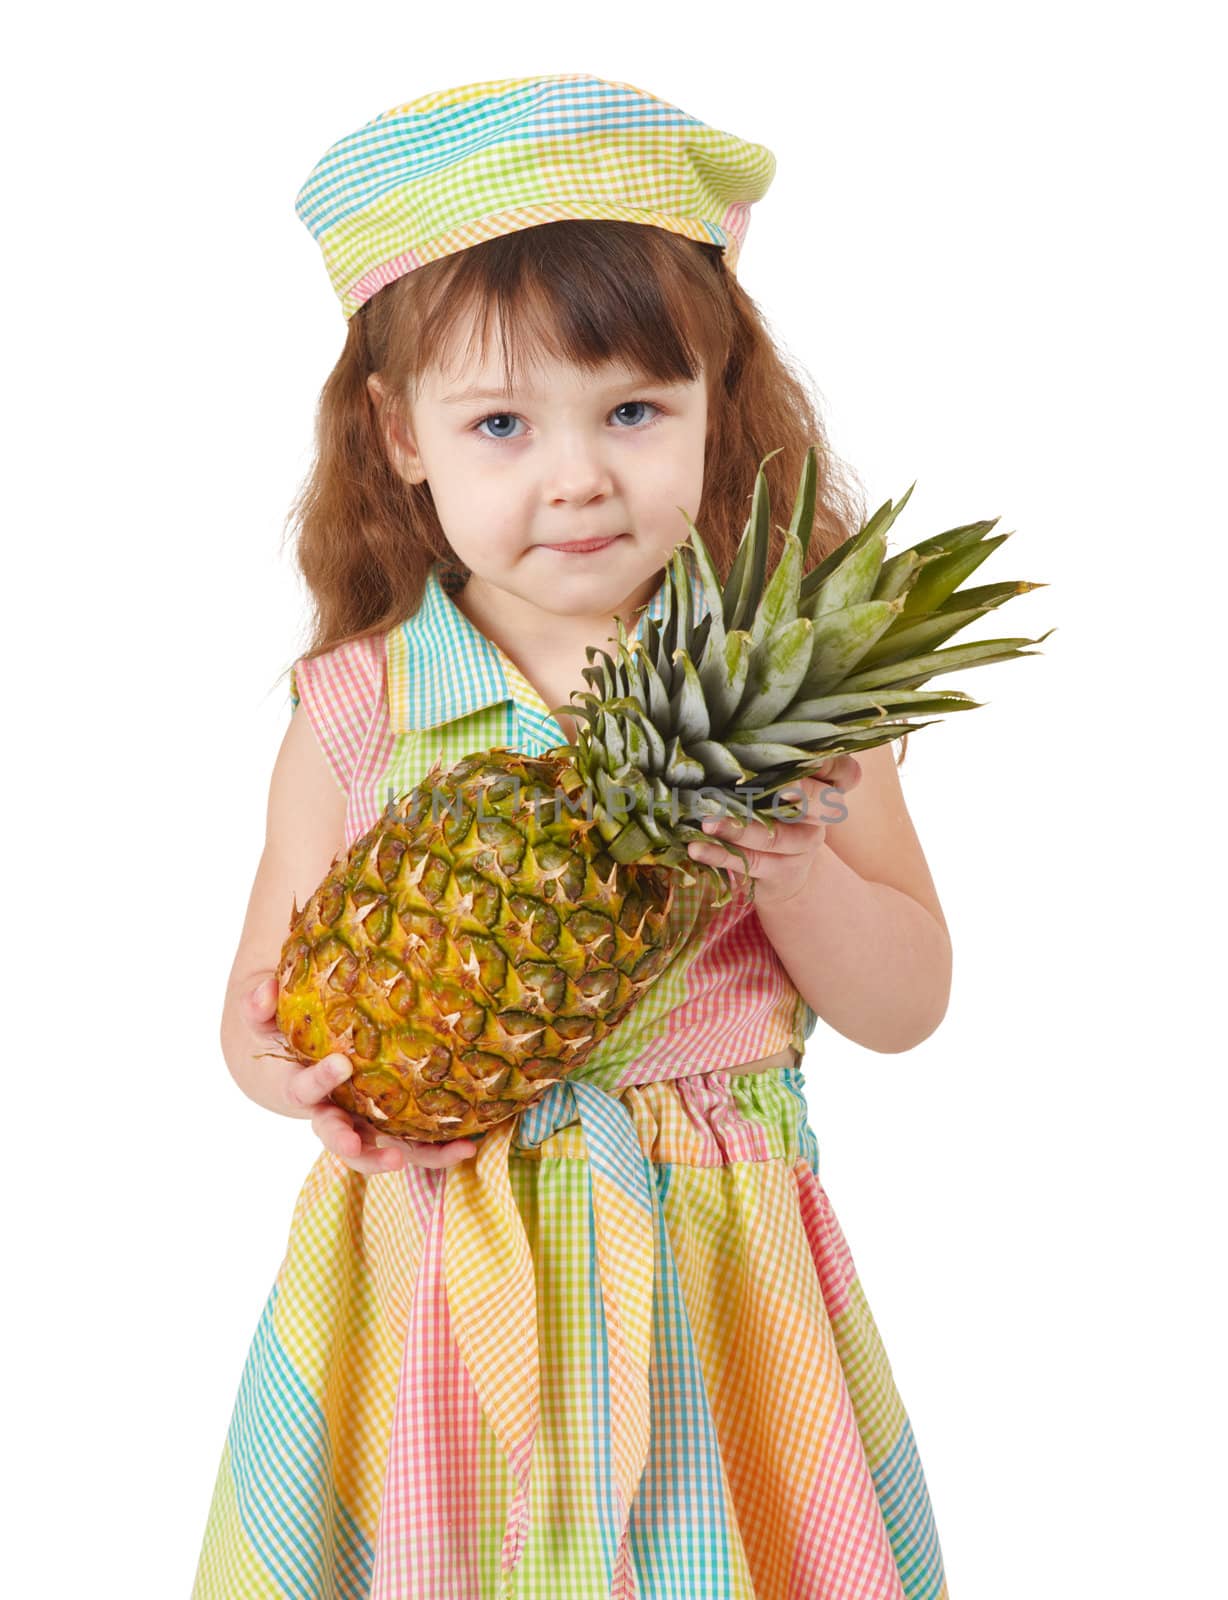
623 1351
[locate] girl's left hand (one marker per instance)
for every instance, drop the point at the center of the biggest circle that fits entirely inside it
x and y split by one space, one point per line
780 853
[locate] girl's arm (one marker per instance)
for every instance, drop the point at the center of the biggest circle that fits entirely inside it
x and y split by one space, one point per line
864 939
304 831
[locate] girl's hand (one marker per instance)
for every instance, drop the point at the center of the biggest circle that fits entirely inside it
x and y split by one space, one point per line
349 1137
780 853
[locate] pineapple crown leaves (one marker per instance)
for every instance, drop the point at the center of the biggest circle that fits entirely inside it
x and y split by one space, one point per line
784 671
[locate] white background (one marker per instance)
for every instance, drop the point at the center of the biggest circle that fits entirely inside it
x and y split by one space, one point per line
992 244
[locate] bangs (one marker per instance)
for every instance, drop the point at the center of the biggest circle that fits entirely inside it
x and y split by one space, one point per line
591 294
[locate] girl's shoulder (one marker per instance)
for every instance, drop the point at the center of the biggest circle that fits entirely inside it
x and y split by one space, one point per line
352 665
357 669
342 691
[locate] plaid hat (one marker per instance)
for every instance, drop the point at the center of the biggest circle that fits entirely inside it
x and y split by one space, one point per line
450 169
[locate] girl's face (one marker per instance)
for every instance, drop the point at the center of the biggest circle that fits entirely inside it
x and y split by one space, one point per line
571 455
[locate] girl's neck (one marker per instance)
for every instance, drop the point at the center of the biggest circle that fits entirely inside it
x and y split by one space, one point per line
528 634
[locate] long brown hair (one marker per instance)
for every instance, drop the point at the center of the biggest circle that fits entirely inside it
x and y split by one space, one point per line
586 291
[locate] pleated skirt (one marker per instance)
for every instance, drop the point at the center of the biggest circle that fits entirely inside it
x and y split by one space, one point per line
781 1463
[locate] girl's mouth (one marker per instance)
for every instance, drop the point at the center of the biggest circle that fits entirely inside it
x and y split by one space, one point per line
584 547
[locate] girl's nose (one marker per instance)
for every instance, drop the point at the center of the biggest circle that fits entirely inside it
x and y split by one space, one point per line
575 475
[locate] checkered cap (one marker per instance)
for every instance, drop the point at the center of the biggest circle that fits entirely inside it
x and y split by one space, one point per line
453 168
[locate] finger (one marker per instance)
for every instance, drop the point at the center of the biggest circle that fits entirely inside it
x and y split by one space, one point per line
802 797
349 1142
426 1154
260 1005
262 998
842 772
309 1086
773 876
812 794
352 1140
785 838
714 852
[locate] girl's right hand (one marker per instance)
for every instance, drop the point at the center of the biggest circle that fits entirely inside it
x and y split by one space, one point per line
349 1137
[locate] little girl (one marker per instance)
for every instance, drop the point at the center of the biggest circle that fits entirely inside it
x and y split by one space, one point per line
619 1346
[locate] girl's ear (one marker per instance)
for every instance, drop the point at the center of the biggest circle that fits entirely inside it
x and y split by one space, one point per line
401 451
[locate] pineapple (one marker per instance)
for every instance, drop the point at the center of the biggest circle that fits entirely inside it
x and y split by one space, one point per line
502 917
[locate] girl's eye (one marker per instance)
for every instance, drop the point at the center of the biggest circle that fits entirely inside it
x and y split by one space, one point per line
508 416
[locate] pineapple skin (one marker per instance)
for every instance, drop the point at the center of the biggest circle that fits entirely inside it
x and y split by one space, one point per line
472 949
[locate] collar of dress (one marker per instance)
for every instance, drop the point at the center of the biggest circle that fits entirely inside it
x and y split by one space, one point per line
440 666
